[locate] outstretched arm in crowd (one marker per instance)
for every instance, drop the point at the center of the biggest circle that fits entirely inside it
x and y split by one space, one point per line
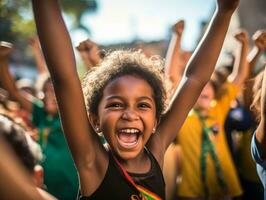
174 67
38 56
59 56
7 80
259 39
89 53
241 67
197 74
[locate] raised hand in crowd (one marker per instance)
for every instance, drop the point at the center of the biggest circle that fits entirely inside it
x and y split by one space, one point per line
89 52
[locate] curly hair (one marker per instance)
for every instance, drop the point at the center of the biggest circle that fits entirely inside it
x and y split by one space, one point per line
125 62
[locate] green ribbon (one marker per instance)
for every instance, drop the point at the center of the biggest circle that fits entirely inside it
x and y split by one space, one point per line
208 147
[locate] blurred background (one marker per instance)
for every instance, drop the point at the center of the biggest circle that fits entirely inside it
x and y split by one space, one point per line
123 23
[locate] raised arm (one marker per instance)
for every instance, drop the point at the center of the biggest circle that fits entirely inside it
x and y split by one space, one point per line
259 39
7 81
59 55
198 72
174 66
37 53
89 53
241 65
261 130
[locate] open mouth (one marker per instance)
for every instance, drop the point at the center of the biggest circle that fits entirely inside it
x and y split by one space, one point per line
128 137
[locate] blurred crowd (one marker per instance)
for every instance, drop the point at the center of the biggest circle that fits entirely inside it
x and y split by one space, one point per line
210 155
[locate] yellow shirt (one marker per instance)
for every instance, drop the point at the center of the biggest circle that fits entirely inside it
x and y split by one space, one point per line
190 138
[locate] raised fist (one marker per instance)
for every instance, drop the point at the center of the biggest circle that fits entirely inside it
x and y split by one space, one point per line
178 28
242 36
259 39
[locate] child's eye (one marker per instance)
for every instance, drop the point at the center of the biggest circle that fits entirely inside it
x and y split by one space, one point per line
144 105
114 105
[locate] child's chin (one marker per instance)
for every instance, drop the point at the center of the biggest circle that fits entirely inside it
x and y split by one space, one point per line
128 155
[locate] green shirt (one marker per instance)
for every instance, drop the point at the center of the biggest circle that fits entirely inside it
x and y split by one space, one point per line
60 174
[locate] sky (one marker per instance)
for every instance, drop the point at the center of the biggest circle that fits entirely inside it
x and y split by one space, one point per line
118 21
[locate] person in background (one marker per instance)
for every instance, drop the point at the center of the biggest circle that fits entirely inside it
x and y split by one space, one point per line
258 143
241 122
27 176
207 170
60 175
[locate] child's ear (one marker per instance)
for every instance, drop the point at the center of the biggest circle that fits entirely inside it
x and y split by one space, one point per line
155 126
94 120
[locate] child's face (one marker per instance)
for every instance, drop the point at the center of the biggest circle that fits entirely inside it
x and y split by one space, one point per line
127 115
49 98
205 98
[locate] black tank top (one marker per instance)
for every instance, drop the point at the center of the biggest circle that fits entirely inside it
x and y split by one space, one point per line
115 185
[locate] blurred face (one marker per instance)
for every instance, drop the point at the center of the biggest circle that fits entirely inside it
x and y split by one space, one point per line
49 98
127 115
205 98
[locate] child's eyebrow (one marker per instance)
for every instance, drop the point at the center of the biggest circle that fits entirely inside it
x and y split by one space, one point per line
122 98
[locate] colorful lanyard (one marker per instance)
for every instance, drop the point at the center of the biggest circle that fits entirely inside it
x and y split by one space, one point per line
208 147
145 194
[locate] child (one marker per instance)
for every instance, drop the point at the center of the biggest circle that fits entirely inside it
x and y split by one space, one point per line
202 139
241 121
125 99
258 142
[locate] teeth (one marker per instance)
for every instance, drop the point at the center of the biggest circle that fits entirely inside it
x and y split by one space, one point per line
131 130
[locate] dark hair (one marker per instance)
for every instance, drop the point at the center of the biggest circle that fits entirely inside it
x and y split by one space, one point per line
125 62
14 134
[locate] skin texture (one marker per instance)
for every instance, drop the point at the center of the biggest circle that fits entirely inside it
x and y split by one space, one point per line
89 155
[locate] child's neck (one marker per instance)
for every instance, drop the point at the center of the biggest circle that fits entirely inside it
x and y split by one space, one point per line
140 164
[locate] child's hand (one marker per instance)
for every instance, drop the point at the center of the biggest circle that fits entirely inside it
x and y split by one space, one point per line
85 45
242 36
227 5
178 28
5 49
259 39
89 52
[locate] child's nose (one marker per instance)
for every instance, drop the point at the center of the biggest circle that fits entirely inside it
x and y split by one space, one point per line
130 114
